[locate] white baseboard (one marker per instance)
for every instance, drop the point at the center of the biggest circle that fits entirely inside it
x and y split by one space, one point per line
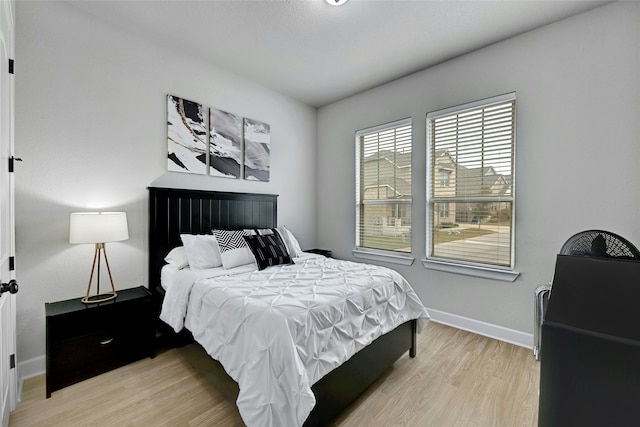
30 368
482 328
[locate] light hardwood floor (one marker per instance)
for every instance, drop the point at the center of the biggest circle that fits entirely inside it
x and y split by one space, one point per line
457 379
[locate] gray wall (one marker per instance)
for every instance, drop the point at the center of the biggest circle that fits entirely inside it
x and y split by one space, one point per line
578 151
91 128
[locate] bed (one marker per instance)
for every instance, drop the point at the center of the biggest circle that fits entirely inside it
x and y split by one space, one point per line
177 211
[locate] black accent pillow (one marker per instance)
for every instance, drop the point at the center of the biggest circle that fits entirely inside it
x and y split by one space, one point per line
268 250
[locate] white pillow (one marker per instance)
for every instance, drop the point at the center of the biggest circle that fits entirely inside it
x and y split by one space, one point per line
234 250
290 241
177 257
202 251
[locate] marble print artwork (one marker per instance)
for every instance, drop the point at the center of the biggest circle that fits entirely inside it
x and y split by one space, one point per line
225 144
257 147
186 136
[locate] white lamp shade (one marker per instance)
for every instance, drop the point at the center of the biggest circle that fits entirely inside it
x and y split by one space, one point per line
98 227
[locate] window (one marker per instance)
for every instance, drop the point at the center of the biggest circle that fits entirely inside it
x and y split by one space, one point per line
444 210
470 213
383 188
445 178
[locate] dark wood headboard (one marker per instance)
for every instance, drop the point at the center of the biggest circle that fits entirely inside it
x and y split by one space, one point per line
177 211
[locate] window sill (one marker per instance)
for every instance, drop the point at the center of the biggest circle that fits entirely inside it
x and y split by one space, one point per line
383 256
471 270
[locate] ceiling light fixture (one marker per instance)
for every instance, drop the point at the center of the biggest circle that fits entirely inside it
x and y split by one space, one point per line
336 2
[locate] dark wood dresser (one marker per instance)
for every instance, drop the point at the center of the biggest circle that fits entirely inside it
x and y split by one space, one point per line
85 340
590 351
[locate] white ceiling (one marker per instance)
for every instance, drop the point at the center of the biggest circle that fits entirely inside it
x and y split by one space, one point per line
319 53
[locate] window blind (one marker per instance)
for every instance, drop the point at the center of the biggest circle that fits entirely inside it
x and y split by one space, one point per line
383 187
470 174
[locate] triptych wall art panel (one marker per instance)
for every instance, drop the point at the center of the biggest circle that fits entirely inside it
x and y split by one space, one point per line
186 136
225 144
257 146
230 147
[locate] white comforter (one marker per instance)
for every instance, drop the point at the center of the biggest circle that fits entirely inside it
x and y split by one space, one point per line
279 330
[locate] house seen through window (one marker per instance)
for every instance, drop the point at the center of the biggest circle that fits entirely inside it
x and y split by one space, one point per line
383 187
470 211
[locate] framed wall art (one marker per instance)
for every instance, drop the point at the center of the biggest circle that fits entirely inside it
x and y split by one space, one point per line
207 141
225 144
186 136
257 149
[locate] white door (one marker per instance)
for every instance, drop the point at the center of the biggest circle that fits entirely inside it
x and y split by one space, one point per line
8 377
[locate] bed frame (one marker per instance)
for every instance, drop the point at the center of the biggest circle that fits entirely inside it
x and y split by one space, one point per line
177 211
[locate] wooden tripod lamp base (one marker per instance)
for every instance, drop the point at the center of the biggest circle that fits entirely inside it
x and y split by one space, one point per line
99 297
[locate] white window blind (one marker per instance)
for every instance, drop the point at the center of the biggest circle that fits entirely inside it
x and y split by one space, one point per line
470 220
383 187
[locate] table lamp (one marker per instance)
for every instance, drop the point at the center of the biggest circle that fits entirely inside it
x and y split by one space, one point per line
98 228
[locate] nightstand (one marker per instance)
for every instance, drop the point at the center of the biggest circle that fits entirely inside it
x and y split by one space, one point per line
325 252
85 340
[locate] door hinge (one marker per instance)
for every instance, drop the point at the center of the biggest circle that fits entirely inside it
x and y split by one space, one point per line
12 263
10 66
12 361
12 160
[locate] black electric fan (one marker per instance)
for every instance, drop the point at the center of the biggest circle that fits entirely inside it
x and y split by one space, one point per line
600 244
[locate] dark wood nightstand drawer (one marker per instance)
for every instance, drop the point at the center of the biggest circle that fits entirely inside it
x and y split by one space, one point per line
87 340
85 322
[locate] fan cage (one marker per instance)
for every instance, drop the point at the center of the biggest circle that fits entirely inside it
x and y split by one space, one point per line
601 244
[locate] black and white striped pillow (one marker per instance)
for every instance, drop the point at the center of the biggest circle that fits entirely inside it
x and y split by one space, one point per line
233 248
268 250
